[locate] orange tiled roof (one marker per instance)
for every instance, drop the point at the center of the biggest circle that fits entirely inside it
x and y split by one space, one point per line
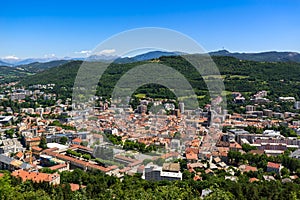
273 165
78 140
191 156
19 154
259 152
253 180
235 145
74 146
196 178
194 150
75 187
36 149
249 168
34 176
56 167
35 139
77 161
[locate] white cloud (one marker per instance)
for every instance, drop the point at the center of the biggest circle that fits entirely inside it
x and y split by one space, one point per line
49 55
106 51
83 52
89 52
11 57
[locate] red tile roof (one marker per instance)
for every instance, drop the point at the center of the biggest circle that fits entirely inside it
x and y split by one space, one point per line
191 156
273 165
36 149
75 187
258 152
251 180
77 140
19 154
35 176
35 139
250 168
194 150
59 166
77 161
196 178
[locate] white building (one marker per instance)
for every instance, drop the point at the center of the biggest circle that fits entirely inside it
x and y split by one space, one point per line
287 99
169 171
297 105
271 133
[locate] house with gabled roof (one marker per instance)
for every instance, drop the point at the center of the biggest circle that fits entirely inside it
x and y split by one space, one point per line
274 167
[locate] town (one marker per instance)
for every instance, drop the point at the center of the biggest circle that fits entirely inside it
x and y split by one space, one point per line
41 141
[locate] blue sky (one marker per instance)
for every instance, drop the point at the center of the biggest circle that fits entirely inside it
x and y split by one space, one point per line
43 28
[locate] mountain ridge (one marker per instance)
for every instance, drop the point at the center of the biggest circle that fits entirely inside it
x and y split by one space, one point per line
268 56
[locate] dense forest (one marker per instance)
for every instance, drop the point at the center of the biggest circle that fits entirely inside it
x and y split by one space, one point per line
248 77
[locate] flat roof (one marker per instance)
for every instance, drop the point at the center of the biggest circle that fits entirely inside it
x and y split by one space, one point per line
56 145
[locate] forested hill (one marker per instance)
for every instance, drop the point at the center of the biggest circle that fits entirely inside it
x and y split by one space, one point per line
38 66
10 74
279 78
271 56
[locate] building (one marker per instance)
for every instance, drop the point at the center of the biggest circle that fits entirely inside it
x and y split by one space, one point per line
60 167
10 146
5 163
295 154
76 141
181 107
247 168
271 133
97 138
175 144
250 108
169 171
17 96
31 142
5 120
112 131
297 105
287 99
141 109
267 112
274 167
53 179
10 164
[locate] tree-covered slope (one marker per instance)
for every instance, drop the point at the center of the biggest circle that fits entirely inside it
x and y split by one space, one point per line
279 78
271 56
38 66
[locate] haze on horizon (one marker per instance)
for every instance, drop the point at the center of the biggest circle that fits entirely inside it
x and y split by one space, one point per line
74 28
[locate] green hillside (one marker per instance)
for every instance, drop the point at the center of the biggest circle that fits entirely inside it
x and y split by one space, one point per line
9 74
279 78
38 67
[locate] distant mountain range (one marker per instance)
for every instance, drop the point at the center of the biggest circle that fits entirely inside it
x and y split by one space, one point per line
2 63
39 66
18 61
272 56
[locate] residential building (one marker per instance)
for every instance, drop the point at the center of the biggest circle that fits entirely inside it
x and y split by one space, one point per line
170 171
273 167
53 179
